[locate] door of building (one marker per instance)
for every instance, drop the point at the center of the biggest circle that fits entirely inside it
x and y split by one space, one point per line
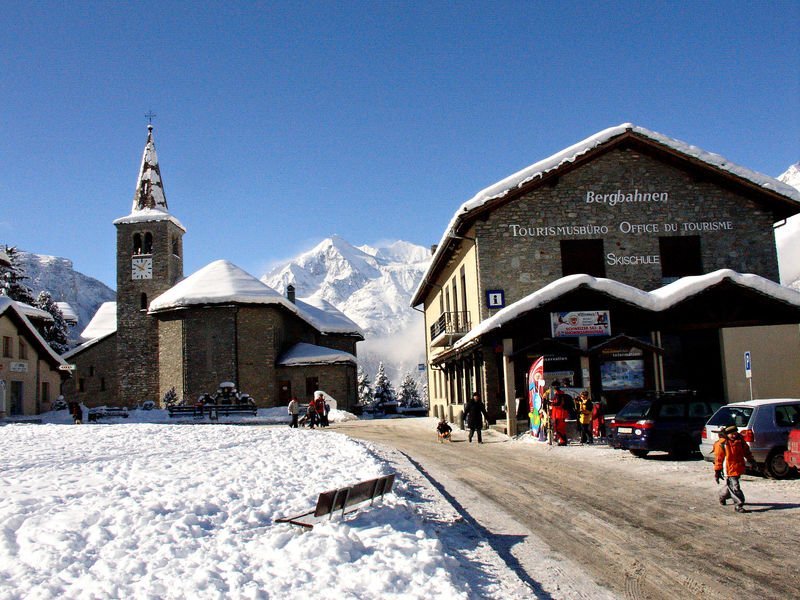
15 398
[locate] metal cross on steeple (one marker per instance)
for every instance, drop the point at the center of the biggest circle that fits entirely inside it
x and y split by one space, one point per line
150 116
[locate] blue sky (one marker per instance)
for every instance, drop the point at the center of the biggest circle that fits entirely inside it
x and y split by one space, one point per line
279 124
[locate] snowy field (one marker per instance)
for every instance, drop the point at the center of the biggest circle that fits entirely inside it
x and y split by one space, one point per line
145 510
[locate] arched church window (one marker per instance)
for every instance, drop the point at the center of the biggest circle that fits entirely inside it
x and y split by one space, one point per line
148 243
137 243
176 249
143 302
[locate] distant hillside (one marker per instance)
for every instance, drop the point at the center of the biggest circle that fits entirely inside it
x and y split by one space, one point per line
56 275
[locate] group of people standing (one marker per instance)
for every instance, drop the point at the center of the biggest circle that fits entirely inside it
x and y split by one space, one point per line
556 408
316 414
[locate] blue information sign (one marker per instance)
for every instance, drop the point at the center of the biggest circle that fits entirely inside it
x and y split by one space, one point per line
495 298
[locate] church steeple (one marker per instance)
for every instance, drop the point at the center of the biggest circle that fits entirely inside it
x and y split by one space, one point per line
149 187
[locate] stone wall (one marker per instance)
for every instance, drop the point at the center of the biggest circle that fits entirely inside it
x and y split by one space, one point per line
338 380
96 367
137 332
519 243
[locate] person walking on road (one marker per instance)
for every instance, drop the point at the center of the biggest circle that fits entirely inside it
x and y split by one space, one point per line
558 413
584 406
598 420
294 409
474 413
733 453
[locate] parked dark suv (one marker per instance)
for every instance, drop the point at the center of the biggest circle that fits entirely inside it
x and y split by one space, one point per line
667 421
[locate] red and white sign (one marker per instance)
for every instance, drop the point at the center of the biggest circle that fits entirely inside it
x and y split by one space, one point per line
580 323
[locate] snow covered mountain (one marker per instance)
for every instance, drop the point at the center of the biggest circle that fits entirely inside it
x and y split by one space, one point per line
57 275
372 286
787 237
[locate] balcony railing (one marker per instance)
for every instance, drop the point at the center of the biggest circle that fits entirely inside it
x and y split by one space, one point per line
449 327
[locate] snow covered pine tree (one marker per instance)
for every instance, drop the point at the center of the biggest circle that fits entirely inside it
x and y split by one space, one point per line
56 333
11 277
384 395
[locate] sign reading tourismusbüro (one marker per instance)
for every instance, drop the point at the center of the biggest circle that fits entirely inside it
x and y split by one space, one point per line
625 227
620 197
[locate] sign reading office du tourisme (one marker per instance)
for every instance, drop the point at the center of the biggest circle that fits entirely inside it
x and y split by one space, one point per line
580 323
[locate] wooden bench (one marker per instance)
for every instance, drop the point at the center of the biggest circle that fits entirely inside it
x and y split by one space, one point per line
223 410
214 411
351 497
95 414
183 411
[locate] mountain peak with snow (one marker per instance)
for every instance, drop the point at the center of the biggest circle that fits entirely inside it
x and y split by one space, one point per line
791 176
372 285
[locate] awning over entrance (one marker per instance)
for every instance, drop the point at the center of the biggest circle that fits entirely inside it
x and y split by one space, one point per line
722 298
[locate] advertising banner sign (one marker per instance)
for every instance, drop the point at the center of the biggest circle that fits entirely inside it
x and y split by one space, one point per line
535 391
580 323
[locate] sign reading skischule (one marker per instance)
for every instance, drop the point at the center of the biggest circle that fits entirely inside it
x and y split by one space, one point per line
580 323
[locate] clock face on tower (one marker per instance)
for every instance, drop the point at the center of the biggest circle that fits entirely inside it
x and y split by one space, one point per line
142 268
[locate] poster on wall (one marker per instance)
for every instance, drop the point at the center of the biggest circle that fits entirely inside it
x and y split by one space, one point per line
535 392
580 323
622 375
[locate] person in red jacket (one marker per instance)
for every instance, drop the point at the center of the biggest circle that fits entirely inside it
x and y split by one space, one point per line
733 453
558 413
322 414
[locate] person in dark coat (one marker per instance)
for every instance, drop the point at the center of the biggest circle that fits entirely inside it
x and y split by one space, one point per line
76 412
474 413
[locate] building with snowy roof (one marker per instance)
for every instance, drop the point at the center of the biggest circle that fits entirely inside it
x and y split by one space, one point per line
30 371
219 324
629 261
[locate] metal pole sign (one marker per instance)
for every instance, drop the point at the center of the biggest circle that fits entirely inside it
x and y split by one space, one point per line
748 372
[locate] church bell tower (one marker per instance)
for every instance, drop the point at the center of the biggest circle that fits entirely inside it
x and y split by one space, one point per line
149 262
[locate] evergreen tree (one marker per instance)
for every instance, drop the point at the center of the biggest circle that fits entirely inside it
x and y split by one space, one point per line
383 392
54 333
409 394
364 387
11 279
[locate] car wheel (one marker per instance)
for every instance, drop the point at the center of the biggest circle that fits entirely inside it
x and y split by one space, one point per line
640 453
776 467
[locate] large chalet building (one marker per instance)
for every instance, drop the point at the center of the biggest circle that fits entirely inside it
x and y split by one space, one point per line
630 261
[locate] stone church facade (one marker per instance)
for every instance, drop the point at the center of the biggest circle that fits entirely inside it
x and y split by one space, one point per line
220 324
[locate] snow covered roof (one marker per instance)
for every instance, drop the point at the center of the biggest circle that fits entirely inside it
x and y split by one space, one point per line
7 305
149 200
219 282
656 301
34 313
309 354
326 317
571 154
70 316
222 282
103 322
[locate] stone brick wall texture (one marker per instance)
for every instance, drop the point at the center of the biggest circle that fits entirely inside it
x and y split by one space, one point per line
521 264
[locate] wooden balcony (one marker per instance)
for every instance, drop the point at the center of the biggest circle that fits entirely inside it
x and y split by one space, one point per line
449 328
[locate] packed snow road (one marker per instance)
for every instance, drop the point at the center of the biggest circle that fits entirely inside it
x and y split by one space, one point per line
642 528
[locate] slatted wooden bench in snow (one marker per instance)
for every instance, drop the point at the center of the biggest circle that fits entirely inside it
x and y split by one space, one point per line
347 500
